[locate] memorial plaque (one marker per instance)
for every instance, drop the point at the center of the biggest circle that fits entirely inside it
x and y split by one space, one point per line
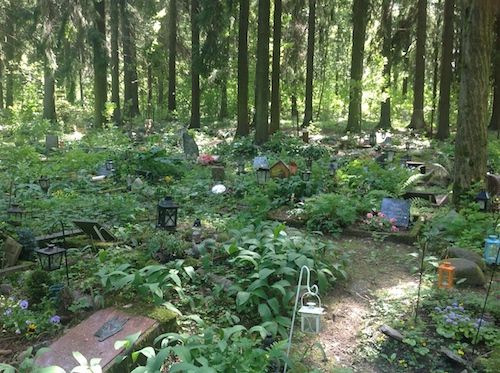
397 209
259 162
94 230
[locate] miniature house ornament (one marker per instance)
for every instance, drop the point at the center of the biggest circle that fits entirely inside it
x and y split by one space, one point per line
445 275
491 247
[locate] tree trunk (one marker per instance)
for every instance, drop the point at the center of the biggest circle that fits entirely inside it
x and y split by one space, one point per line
223 99
1 83
195 75
9 56
308 110
471 140
495 115
262 74
49 92
443 130
172 55
360 20
100 64
417 118
275 77
385 106
243 126
115 62
130 81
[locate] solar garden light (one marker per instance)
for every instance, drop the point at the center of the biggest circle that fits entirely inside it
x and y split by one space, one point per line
44 182
445 275
483 199
491 248
306 175
167 214
263 175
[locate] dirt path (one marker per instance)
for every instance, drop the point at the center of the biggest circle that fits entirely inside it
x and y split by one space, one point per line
377 271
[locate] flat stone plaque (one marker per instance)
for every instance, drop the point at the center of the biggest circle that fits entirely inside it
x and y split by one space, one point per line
94 230
397 209
81 339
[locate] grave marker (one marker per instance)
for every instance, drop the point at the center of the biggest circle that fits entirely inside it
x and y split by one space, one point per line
397 209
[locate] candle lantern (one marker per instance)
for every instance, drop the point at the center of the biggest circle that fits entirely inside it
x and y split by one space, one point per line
306 175
483 199
167 214
311 317
263 175
51 258
491 247
15 214
241 168
44 182
445 275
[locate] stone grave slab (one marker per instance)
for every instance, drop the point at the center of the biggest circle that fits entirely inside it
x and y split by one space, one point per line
82 339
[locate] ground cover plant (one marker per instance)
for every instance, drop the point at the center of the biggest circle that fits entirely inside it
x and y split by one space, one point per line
258 260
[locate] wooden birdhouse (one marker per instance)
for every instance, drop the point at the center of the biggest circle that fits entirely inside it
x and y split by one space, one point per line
281 170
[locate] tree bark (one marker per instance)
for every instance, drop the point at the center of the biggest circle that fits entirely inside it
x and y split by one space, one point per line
115 62
9 56
195 75
308 110
360 20
130 81
385 106
471 140
172 55
49 92
443 130
495 115
100 63
417 119
243 127
262 74
275 77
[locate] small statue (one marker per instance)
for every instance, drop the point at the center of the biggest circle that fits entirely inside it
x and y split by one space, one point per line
109 328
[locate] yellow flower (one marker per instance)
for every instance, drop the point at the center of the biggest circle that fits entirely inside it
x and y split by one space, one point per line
423 344
167 179
412 327
402 322
31 329
380 339
460 352
401 361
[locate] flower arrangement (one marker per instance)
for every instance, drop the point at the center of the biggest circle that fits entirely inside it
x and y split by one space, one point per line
379 222
205 159
16 317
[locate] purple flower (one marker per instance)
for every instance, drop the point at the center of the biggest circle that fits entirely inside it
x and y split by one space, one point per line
18 331
455 323
8 311
55 319
23 304
437 309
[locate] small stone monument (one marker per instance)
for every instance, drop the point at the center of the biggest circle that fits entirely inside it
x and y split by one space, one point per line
218 173
189 146
51 141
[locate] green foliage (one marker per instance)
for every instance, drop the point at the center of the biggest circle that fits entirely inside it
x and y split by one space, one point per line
26 237
167 246
37 285
160 163
329 213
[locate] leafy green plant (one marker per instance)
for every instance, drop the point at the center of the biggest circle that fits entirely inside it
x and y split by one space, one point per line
37 285
167 246
27 239
329 213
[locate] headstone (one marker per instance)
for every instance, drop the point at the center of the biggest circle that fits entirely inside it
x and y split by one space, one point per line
94 230
397 209
189 145
51 141
10 252
259 162
82 339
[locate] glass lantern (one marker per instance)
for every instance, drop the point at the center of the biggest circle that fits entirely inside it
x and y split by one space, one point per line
491 248
50 257
15 214
390 155
311 317
482 199
167 214
306 175
263 175
445 275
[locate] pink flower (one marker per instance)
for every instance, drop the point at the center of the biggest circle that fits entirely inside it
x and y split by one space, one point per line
380 224
369 216
392 220
394 228
381 214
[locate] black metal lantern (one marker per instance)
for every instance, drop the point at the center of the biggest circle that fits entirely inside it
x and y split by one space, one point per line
483 200
263 175
167 214
51 258
44 182
241 168
15 214
196 231
306 175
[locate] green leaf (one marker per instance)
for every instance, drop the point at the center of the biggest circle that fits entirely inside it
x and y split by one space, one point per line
265 312
422 350
185 367
242 298
445 333
265 272
410 342
275 305
80 358
190 272
257 284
